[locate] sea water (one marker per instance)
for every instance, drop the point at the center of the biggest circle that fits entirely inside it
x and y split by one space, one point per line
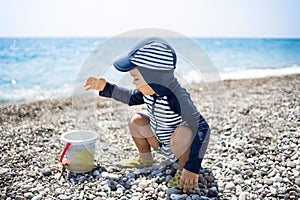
42 68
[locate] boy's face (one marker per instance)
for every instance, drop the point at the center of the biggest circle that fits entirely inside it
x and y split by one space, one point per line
140 82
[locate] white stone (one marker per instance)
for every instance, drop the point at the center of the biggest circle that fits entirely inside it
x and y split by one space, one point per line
229 186
143 184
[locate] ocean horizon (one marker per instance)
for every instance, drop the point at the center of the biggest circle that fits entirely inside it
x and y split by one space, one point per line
43 68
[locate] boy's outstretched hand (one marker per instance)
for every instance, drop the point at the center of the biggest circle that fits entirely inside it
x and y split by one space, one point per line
188 180
95 83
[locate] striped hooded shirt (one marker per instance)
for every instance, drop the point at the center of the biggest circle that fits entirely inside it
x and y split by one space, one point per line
163 121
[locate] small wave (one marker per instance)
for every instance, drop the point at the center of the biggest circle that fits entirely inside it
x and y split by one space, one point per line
242 73
259 73
36 93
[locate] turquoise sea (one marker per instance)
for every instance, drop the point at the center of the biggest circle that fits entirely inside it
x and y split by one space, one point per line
42 68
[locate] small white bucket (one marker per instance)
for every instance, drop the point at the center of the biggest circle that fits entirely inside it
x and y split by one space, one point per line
79 150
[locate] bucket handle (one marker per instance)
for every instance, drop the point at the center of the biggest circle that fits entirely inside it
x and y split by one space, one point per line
68 144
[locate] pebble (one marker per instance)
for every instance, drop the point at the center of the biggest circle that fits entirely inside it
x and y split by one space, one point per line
37 197
195 197
173 191
46 171
64 197
28 195
59 190
96 173
297 181
104 174
168 171
213 192
229 186
178 196
291 164
268 181
242 196
271 174
143 184
137 172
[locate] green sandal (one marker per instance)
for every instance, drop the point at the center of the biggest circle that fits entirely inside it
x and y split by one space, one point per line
175 181
137 163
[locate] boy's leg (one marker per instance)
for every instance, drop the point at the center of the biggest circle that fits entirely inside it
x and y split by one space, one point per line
181 141
143 137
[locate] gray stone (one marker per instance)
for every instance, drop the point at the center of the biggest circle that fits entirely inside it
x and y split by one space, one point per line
130 175
3 170
64 197
29 180
102 194
137 171
120 191
59 190
113 176
37 197
137 194
104 174
82 179
19 197
242 196
271 174
297 181
91 196
143 184
178 196
229 186
291 164
195 197
204 198
26 187
37 188
273 191
154 173
168 178
173 191
46 171
96 173
213 192
294 157
268 181
28 195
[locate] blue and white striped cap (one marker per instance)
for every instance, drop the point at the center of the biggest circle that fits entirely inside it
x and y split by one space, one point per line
152 53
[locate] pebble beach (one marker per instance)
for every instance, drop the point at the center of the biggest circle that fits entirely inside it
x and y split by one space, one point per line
254 151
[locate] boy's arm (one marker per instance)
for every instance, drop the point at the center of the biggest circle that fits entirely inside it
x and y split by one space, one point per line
130 97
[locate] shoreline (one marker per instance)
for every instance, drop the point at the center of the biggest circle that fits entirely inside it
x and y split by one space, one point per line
190 78
253 152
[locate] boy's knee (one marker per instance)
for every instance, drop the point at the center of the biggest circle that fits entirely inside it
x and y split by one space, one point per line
138 120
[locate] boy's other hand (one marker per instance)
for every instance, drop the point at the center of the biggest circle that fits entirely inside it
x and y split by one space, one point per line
95 83
188 180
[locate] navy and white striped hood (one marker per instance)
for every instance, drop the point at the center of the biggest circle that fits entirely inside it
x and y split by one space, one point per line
155 54
156 60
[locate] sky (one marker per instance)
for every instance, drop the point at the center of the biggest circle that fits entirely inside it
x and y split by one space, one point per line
105 18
